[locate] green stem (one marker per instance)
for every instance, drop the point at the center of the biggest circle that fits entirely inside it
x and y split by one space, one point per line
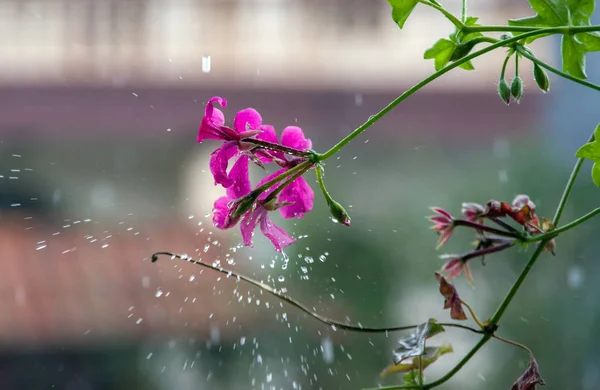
565 30
303 166
553 233
459 25
289 181
277 147
463 13
526 53
359 130
504 64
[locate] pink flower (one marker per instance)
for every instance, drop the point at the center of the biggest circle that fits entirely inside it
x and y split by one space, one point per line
246 124
297 198
455 266
443 224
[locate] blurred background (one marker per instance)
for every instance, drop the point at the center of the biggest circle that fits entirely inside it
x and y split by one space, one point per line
100 103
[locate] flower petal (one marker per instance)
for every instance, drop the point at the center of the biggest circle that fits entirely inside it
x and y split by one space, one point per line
211 121
219 160
247 119
239 178
249 223
302 197
222 214
293 137
277 235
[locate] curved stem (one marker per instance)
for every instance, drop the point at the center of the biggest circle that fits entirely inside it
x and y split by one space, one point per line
553 233
507 341
565 30
277 293
532 58
507 42
459 25
472 314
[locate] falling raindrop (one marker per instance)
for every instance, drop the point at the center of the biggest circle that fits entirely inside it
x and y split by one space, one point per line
205 64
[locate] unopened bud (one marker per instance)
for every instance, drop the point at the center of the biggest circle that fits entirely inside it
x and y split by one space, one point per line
541 78
338 212
504 91
516 88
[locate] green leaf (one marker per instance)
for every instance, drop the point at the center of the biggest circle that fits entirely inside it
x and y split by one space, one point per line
440 52
591 151
556 13
596 174
414 344
455 48
412 378
429 356
401 10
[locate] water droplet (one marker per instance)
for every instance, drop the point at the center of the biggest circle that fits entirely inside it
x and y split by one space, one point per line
281 278
139 321
205 64
159 293
575 277
269 377
192 278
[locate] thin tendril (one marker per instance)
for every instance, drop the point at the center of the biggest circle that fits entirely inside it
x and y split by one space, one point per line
278 294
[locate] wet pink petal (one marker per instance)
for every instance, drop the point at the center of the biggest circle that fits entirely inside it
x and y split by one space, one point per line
302 197
249 223
240 181
277 235
219 160
267 134
222 214
247 119
212 120
293 137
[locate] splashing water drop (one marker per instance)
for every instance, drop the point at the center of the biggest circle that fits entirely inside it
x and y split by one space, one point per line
205 64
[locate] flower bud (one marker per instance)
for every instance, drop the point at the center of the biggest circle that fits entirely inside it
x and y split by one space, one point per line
516 88
541 78
504 91
338 212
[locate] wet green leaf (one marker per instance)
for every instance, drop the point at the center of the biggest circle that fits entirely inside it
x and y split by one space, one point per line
429 356
591 151
414 344
401 10
458 46
555 13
